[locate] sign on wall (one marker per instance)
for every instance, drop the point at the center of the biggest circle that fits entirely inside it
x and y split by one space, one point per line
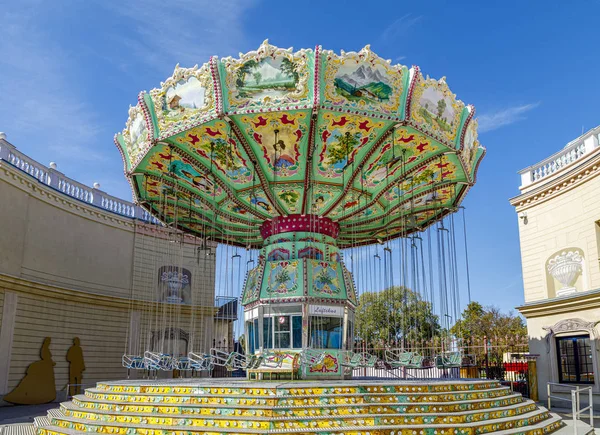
325 310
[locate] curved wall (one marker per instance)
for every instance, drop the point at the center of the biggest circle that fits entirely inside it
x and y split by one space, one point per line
70 268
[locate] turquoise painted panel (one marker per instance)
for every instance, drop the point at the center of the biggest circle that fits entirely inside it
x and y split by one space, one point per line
282 279
325 280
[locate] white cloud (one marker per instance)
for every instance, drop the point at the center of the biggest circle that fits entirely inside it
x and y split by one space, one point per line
400 26
493 120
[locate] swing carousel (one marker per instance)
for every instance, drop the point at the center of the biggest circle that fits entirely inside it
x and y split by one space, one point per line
334 181
334 174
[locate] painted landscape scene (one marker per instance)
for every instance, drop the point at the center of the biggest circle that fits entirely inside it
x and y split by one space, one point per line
269 77
437 109
362 83
186 95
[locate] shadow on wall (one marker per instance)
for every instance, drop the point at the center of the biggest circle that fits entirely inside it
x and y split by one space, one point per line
38 386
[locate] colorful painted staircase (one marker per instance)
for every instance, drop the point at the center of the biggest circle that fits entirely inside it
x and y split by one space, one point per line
357 407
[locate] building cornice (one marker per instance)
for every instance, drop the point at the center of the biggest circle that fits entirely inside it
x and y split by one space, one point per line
576 175
564 304
39 190
20 285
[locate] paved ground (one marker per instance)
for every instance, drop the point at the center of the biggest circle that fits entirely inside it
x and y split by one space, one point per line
24 413
566 414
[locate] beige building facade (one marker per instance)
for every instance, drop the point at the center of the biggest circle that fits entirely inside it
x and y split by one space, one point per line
558 210
76 262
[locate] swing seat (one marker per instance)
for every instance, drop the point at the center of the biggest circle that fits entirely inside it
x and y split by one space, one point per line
200 363
183 363
368 360
220 358
273 359
238 361
264 364
158 361
416 362
351 360
255 362
311 357
452 361
398 358
133 362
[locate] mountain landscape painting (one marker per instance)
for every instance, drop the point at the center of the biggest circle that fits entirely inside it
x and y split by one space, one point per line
272 77
363 83
437 109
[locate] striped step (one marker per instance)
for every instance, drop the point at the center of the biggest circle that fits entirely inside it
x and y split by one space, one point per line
299 400
187 387
362 407
525 420
85 403
303 421
18 429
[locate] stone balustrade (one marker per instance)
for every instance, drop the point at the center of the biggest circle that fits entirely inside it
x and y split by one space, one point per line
573 152
57 180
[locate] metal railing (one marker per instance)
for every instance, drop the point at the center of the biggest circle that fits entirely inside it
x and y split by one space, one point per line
58 181
575 400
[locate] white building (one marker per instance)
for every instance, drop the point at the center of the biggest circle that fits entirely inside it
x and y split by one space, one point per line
558 210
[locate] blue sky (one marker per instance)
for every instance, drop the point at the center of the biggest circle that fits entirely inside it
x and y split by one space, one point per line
70 69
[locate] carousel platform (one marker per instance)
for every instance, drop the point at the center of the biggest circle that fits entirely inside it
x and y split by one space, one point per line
354 407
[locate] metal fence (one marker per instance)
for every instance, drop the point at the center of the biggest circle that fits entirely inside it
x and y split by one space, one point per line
504 359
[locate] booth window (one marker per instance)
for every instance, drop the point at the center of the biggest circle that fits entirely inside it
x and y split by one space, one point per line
253 335
575 362
326 332
282 332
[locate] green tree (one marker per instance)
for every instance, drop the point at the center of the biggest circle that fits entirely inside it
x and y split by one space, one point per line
477 321
289 69
342 147
257 77
394 314
441 106
245 69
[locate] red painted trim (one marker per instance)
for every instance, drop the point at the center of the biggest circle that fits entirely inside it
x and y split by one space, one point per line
297 223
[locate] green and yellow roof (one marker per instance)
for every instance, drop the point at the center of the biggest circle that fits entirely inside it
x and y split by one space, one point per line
378 148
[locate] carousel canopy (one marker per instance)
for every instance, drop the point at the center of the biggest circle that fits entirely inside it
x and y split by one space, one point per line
378 149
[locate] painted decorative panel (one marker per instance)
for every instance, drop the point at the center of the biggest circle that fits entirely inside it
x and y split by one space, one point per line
435 109
283 279
184 100
362 81
267 77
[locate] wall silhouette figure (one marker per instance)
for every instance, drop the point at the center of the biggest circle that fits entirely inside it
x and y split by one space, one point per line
76 367
37 386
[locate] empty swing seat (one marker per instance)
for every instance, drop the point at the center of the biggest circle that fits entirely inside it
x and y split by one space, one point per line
199 362
351 360
158 361
398 358
453 360
133 362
